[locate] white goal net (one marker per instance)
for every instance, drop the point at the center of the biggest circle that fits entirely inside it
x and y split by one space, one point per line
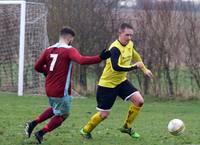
17 46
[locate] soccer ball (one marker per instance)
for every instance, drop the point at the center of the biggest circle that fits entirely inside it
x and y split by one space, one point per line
176 127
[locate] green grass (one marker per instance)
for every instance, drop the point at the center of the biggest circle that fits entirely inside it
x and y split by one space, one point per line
151 122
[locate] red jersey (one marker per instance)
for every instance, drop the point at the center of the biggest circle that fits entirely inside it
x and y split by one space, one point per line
56 63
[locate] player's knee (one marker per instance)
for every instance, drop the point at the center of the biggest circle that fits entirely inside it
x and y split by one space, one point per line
104 114
138 101
141 102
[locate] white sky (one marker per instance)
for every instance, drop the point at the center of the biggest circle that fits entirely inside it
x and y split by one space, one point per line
131 3
182 0
192 0
195 1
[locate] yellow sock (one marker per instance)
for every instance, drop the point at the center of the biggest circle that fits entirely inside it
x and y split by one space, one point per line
132 114
93 122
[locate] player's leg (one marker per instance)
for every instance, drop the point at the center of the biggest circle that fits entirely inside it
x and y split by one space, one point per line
96 119
137 103
55 122
48 113
105 100
128 92
61 109
134 109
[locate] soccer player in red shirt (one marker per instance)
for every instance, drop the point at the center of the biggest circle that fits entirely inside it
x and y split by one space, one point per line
56 64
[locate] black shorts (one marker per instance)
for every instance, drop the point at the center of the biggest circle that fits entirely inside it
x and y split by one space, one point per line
107 96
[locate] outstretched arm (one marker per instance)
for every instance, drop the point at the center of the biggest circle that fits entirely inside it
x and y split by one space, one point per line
78 58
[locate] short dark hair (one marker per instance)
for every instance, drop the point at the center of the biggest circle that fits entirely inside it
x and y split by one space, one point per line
67 31
124 26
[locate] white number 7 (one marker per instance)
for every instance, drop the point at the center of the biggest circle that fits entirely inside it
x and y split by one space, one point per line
54 56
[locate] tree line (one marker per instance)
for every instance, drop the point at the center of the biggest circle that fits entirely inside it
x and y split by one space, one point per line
167 40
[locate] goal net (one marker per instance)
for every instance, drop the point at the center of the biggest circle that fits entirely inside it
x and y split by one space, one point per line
23 36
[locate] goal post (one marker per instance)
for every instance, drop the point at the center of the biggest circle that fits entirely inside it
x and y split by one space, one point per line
21 41
24 37
21 48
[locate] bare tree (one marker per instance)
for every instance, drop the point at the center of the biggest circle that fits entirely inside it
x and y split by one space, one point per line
159 38
162 33
192 36
94 22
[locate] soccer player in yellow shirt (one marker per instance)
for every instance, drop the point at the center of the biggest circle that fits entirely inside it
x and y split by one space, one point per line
113 83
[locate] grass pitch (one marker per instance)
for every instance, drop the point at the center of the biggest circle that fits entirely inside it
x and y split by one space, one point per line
151 122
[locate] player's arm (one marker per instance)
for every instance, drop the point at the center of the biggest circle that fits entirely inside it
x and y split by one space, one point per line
40 64
137 58
115 53
77 57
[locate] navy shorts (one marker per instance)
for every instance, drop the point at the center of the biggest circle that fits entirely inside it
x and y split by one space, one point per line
107 96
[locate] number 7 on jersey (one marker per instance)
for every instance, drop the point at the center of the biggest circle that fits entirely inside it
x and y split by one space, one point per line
53 62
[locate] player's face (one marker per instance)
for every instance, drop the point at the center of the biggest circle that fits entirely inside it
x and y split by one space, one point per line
125 36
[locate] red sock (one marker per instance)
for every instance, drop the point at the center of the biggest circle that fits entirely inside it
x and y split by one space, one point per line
55 122
48 113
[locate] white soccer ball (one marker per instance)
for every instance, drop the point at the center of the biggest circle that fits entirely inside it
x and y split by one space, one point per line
176 127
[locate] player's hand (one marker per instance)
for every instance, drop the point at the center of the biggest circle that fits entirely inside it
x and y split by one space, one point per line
105 54
148 73
139 64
